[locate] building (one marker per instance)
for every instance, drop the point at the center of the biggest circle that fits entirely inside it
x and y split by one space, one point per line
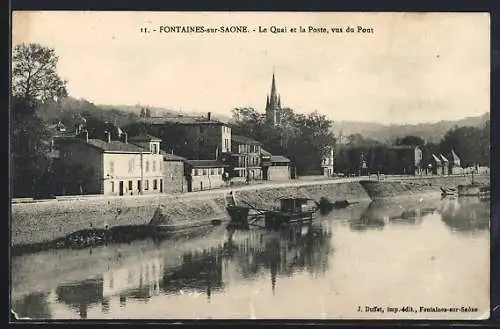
173 171
404 160
455 166
204 174
279 169
244 159
199 138
436 165
273 105
114 167
328 162
446 165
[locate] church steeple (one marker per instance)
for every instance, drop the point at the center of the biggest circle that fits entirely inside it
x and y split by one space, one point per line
273 104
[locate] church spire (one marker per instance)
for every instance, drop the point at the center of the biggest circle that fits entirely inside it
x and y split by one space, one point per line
273 104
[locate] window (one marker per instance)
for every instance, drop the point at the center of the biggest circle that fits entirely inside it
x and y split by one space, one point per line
195 172
139 185
111 167
212 171
155 184
112 187
205 172
130 185
221 171
147 166
154 165
146 184
155 149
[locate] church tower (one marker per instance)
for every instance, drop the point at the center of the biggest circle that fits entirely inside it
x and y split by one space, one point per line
273 106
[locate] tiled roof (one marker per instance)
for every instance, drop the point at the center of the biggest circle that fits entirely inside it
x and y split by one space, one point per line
184 120
144 138
115 146
171 157
206 163
244 140
279 158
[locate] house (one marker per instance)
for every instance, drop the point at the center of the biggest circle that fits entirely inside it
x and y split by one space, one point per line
189 137
173 171
327 163
279 169
244 159
455 166
446 165
204 174
404 160
113 167
436 165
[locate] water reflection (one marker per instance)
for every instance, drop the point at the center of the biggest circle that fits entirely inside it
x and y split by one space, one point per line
380 213
213 266
469 214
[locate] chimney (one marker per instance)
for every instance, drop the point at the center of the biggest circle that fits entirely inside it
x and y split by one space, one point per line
108 136
209 116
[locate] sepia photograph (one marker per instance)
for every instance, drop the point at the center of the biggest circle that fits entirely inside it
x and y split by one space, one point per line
249 165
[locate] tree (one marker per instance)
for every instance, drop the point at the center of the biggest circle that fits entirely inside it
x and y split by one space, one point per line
34 73
410 141
143 113
34 82
469 144
148 113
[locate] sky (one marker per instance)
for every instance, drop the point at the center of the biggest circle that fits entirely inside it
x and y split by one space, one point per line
414 67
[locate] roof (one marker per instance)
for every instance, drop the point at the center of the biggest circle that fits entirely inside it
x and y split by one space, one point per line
206 163
244 140
436 158
443 158
184 120
265 153
279 158
115 146
171 157
144 138
455 156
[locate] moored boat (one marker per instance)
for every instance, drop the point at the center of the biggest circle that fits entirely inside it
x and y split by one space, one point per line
290 210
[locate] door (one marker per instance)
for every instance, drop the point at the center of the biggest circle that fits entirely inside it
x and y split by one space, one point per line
139 186
121 187
161 185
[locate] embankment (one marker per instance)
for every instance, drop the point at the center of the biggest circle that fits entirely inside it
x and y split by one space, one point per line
416 185
45 221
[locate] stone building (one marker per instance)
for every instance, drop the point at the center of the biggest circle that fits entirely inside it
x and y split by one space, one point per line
173 171
204 174
198 138
115 167
445 165
244 159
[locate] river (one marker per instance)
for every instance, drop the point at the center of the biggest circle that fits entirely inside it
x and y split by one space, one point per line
364 261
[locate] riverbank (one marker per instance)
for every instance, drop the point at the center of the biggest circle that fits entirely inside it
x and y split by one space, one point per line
45 221
48 220
428 185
